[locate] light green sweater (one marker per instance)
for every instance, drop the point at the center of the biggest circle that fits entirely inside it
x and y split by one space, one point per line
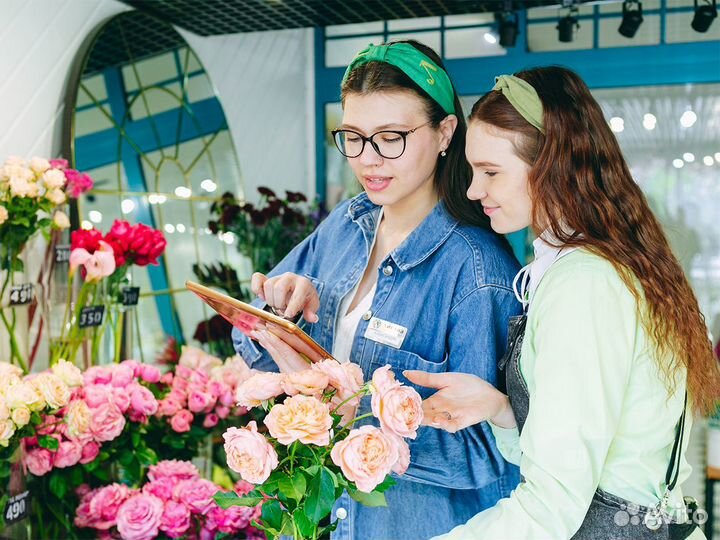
599 411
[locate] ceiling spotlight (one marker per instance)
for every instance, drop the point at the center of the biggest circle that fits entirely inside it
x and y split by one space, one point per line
678 163
508 27
490 37
688 119
704 15
631 18
568 25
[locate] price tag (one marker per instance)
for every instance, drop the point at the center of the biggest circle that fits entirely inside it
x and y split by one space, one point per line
130 296
21 294
62 253
17 507
91 316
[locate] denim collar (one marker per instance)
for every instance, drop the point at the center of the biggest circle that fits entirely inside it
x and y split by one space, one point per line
421 243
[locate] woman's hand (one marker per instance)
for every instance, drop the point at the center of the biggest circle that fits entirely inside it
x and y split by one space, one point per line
287 294
462 400
286 358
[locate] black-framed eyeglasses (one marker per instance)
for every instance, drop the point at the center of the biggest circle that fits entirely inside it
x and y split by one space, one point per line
389 144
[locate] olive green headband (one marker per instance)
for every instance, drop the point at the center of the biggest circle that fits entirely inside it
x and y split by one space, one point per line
423 71
523 97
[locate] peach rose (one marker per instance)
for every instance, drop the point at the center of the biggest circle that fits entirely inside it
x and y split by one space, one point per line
55 196
54 178
249 453
39 165
77 418
308 382
346 378
259 388
195 358
403 462
7 430
398 407
3 214
300 418
21 416
366 456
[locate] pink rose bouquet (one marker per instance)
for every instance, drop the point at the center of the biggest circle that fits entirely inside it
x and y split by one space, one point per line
174 502
309 452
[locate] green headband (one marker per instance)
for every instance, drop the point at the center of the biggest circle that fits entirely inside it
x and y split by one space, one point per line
523 97
423 71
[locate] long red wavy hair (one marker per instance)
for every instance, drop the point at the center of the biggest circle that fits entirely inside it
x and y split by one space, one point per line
579 181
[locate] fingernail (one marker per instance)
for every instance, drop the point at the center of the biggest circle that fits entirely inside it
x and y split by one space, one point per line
314 318
287 314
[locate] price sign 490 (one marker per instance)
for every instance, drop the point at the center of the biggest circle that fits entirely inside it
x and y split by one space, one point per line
21 294
17 507
91 316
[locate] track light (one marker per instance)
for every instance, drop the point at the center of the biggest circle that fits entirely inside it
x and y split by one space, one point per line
568 25
631 18
704 15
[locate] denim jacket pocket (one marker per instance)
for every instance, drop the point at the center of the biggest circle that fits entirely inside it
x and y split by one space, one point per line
400 360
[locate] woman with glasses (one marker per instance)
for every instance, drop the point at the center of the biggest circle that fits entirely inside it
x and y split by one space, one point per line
612 357
408 274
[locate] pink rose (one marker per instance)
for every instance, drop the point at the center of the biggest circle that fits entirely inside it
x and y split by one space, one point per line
242 487
39 461
95 394
173 468
259 388
142 400
222 412
97 375
162 488
122 375
168 407
216 388
300 418
309 382
232 520
167 378
195 358
77 183
211 420
83 516
398 407
89 452
183 372
366 456
121 397
134 364
105 504
67 454
249 453
182 421
106 422
59 163
196 494
200 401
175 520
149 374
403 462
139 517
227 398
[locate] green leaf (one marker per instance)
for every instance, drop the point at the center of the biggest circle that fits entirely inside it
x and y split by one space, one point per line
304 525
126 458
58 485
146 456
135 438
226 500
321 496
272 514
51 443
293 487
372 499
76 476
101 474
385 484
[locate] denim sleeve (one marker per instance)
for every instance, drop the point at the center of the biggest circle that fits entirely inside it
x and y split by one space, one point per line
476 340
296 262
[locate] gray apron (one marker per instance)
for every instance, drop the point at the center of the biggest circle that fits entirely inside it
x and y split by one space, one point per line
609 516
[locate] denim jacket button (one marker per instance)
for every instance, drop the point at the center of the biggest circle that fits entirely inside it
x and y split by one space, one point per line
367 315
388 270
341 513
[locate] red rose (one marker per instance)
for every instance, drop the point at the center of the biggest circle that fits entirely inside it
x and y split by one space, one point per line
88 239
119 238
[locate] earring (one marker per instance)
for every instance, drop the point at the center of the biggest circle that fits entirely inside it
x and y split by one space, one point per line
443 153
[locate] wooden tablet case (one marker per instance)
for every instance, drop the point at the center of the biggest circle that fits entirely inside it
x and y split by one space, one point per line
247 318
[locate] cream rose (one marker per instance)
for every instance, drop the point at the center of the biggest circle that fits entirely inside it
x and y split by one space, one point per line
4 410
300 418
60 220
249 453
24 394
258 388
21 416
39 165
7 430
8 370
54 178
68 372
366 456
21 186
308 382
398 407
53 389
77 418
55 196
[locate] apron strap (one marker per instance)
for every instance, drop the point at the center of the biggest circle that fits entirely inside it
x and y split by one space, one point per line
673 470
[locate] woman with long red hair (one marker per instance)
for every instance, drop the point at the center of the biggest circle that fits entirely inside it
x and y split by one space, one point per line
612 349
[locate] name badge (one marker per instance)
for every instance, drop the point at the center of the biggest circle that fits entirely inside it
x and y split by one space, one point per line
385 332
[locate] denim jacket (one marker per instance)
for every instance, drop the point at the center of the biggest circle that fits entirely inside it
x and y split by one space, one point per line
450 286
